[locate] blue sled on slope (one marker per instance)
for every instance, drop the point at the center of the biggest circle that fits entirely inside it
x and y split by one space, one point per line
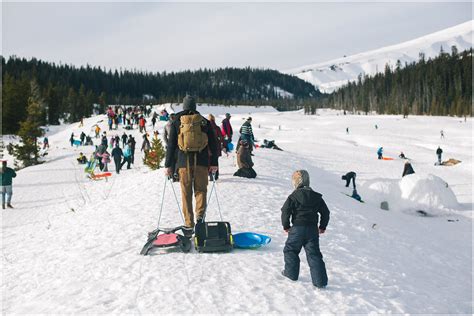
250 240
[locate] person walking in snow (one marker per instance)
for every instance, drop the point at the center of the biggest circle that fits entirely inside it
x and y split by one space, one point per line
71 139
347 130
104 140
117 155
45 143
97 131
105 160
7 174
132 143
127 156
117 140
219 142
441 133
82 137
439 152
299 217
350 176
246 133
191 130
380 153
146 146
227 132
168 125
407 169
141 124
153 120
124 139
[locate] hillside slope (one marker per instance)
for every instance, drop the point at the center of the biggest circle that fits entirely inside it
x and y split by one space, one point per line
330 75
71 244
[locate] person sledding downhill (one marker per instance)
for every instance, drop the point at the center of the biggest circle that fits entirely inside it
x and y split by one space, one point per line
192 137
302 208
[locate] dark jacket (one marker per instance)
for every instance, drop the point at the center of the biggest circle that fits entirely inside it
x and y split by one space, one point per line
244 160
303 206
202 157
227 128
408 169
117 153
7 176
132 143
439 151
219 138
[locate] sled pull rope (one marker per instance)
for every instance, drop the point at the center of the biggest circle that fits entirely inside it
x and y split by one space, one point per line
176 198
162 201
213 188
217 198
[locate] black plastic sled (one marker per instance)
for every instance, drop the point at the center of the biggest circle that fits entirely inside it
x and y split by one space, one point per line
166 238
213 237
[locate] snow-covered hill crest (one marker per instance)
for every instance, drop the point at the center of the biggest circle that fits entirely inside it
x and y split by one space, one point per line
330 75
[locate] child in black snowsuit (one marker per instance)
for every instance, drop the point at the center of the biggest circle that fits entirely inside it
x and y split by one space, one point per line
302 208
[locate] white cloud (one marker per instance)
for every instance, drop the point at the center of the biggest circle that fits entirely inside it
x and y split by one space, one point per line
177 36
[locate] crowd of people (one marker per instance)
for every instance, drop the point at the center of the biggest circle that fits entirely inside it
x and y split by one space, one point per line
194 144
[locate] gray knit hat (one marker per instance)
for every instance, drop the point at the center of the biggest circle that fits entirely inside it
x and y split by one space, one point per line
300 179
189 103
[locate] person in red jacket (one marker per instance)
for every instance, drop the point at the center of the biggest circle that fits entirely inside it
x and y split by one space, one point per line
141 124
227 130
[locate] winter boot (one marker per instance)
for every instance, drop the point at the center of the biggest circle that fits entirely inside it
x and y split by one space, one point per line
188 231
3 205
9 205
283 272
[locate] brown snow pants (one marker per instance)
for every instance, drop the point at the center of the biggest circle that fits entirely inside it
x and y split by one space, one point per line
198 181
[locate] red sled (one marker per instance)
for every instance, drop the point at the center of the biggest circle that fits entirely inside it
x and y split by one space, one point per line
166 238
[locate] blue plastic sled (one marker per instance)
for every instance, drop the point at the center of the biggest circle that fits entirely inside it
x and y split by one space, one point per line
250 240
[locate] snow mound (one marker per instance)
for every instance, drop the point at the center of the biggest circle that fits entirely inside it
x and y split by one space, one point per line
413 192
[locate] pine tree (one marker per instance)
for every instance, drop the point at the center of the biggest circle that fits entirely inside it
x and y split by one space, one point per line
27 151
156 154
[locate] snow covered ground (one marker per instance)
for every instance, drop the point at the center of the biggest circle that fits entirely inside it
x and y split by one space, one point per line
71 245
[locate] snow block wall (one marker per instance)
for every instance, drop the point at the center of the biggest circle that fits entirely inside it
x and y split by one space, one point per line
413 192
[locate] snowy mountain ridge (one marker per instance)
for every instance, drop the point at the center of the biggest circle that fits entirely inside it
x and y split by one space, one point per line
331 75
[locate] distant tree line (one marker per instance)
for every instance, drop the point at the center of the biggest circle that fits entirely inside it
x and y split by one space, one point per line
438 86
70 92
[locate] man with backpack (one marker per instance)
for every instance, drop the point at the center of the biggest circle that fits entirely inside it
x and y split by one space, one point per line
192 136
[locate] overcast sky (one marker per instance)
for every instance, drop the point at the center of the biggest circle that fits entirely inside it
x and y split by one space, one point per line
178 36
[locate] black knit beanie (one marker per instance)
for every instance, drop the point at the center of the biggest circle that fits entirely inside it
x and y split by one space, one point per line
189 103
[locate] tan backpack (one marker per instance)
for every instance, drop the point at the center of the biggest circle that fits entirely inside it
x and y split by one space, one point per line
191 138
